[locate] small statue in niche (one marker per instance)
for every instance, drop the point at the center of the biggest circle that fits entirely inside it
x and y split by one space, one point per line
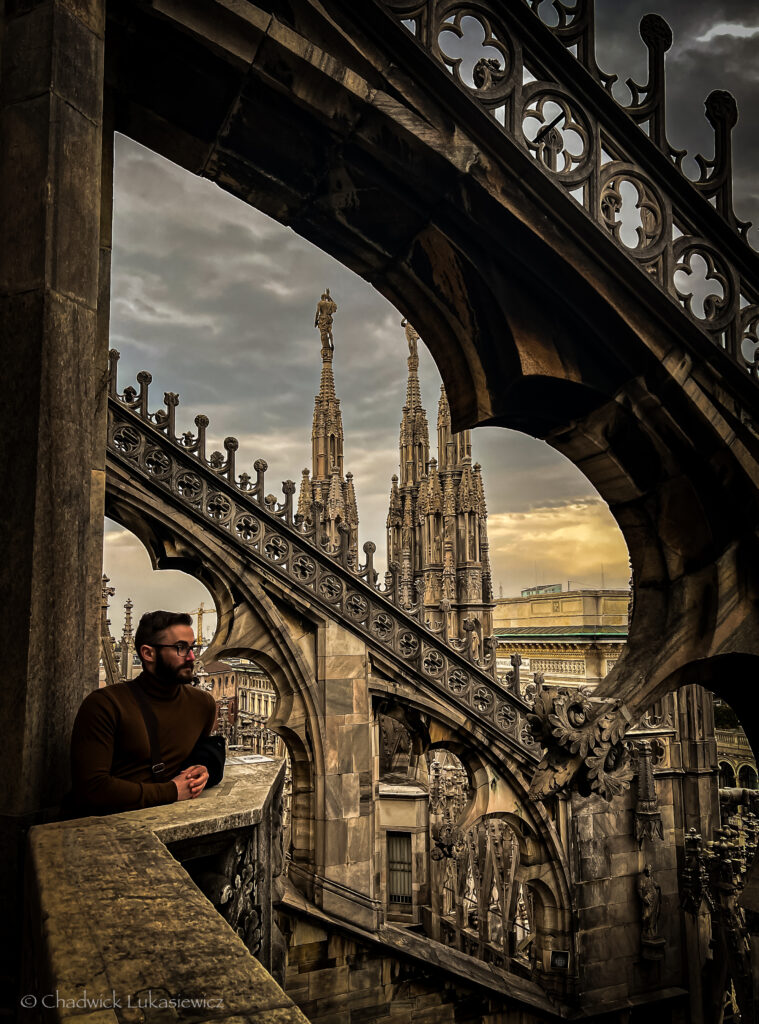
649 893
470 626
650 897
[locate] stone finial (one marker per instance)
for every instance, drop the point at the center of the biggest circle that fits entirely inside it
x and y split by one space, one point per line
648 823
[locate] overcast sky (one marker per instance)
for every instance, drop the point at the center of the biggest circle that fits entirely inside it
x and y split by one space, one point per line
217 301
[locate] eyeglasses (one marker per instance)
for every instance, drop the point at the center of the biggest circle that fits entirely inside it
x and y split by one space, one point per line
181 648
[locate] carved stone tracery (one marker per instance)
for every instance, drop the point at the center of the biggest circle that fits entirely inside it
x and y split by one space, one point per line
270 532
544 107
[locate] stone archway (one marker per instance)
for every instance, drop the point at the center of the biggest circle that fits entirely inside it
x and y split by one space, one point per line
530 327
526 330
247 623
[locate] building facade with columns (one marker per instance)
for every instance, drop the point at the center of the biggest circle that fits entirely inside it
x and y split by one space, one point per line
573 638
245 700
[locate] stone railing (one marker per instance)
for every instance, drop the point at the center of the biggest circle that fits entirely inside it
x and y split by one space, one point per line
119 924
272 536
739 740
543 89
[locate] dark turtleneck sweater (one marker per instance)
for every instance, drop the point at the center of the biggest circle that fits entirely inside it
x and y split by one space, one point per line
110 748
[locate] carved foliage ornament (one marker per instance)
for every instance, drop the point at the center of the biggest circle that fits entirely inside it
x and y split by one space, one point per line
610 769
582 732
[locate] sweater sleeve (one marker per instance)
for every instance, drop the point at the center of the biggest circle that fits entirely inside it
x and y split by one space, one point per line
92 745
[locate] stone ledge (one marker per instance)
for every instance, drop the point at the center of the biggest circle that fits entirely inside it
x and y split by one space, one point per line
239 800
114 919
467 969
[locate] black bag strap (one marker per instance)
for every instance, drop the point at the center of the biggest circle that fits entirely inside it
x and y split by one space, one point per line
211 752
157 766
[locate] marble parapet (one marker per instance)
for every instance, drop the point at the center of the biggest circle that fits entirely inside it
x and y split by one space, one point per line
117 932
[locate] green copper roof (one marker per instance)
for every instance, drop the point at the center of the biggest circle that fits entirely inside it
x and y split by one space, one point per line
556 632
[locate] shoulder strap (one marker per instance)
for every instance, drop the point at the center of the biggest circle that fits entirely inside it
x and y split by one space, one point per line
157 766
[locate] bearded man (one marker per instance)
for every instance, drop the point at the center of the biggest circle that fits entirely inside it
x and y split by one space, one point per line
131 742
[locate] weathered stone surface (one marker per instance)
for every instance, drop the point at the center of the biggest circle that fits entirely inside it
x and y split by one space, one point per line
382 969
50 146
138 927
483 249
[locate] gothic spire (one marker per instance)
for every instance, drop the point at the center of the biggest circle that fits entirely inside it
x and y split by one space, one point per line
305 497
437 533
414 434
413 392
327 484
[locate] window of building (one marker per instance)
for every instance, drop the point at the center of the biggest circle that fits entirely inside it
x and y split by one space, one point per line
399 868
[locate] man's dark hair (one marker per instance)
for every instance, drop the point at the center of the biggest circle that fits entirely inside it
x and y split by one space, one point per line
154 623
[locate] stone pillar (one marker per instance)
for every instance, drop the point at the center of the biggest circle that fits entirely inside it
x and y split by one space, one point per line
50 183
100 400
344 827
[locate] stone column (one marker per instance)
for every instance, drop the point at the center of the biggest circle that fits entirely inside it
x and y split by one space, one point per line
50 183
344 826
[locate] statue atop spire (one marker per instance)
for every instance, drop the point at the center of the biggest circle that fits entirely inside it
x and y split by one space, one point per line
412 338
326 307
328 493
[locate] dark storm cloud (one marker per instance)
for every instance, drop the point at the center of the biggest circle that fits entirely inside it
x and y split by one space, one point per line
217 301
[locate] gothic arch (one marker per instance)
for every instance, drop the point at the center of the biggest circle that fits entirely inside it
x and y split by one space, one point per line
249 623
553 926
540 851
527 329
729 677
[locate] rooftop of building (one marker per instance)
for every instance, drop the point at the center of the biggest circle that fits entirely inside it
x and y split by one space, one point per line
215 667
548 592
587 632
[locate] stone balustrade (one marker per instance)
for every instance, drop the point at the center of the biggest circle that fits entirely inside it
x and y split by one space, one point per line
119 925
739 740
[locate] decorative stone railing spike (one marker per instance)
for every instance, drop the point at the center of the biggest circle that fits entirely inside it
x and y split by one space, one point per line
628 179
270 533
648 102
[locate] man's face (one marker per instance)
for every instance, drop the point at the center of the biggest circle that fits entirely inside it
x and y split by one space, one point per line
169 666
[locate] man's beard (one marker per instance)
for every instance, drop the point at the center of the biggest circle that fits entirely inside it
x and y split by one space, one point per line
170 675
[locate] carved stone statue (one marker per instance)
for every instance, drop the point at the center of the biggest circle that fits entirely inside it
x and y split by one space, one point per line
650 898
412 338
470 626
325 308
